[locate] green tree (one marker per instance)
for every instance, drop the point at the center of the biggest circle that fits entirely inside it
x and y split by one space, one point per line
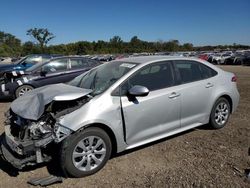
9 45
135 44
43 36
116 44
188 46
30 48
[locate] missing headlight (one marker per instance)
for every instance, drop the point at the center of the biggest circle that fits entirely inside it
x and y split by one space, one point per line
61 132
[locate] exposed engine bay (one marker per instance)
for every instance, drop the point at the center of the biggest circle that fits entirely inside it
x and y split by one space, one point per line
28 142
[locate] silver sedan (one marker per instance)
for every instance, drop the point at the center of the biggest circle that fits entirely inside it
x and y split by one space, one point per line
122 105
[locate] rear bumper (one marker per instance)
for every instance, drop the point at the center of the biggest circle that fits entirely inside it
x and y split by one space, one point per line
235 99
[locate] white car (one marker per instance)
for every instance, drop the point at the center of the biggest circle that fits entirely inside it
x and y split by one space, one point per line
219 58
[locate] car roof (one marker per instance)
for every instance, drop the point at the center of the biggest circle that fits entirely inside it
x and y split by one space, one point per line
147 59
62 57
36 66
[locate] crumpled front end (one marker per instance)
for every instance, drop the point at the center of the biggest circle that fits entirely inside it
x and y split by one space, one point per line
29 142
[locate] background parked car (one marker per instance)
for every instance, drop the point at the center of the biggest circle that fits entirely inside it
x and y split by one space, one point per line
57 70
246 59
239 58
235 59
25 62
219 58
204 56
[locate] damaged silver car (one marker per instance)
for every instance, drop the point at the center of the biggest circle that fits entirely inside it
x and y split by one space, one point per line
117 106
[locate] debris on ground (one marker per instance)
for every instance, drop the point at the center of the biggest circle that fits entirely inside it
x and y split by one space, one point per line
45 181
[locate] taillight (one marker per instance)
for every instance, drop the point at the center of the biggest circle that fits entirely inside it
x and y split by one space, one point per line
234 79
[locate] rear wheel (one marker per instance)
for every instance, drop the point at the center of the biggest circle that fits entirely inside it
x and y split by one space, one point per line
86 152
220 113
23 90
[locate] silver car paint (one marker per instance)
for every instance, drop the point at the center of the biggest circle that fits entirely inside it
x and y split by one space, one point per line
139 128
68 97
145 121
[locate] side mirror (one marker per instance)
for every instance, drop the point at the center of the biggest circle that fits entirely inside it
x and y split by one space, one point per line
138 91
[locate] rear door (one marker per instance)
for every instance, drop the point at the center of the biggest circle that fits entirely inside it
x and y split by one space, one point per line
196 86
159 112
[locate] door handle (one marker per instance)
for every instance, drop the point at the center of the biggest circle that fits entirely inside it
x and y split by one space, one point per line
174 95
209 85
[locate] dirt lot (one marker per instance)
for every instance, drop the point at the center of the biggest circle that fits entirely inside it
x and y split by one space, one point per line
197 158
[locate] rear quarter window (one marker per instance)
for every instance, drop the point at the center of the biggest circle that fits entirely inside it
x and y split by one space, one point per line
191 71
207 72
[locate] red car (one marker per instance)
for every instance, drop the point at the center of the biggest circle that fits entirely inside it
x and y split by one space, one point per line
203 56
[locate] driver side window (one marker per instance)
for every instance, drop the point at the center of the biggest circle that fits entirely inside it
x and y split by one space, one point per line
55 66
154 77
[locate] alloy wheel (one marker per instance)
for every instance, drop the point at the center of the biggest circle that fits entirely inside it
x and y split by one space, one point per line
23 91
221 113
89 153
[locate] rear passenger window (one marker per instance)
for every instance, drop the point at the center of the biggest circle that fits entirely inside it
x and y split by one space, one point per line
78 63
191 71
92 62
154 77
207 72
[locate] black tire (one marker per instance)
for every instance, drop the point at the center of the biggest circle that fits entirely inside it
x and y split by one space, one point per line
21 88
213 123
69 146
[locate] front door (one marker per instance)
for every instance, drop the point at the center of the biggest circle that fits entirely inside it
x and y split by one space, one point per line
54 72
156 114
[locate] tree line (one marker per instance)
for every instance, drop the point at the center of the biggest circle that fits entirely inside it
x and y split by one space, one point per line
11 46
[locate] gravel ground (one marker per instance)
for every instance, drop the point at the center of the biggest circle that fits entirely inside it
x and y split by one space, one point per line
196 158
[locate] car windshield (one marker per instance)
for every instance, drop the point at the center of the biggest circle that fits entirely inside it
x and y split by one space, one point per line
102 77
19 61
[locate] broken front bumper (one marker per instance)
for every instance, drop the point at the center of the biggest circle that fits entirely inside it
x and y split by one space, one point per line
23 153
19 148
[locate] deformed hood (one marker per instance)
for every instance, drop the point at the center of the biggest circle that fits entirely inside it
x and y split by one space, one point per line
31 105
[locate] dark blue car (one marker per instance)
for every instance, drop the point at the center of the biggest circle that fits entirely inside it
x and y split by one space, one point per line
25 62
57 70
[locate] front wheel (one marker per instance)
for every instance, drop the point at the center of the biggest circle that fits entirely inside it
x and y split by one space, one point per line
220 113
23 90
86 152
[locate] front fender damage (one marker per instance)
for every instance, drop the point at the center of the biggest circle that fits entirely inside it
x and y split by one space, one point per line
29 142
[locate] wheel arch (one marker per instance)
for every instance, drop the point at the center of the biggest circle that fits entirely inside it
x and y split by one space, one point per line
229 99
108 130
26 84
